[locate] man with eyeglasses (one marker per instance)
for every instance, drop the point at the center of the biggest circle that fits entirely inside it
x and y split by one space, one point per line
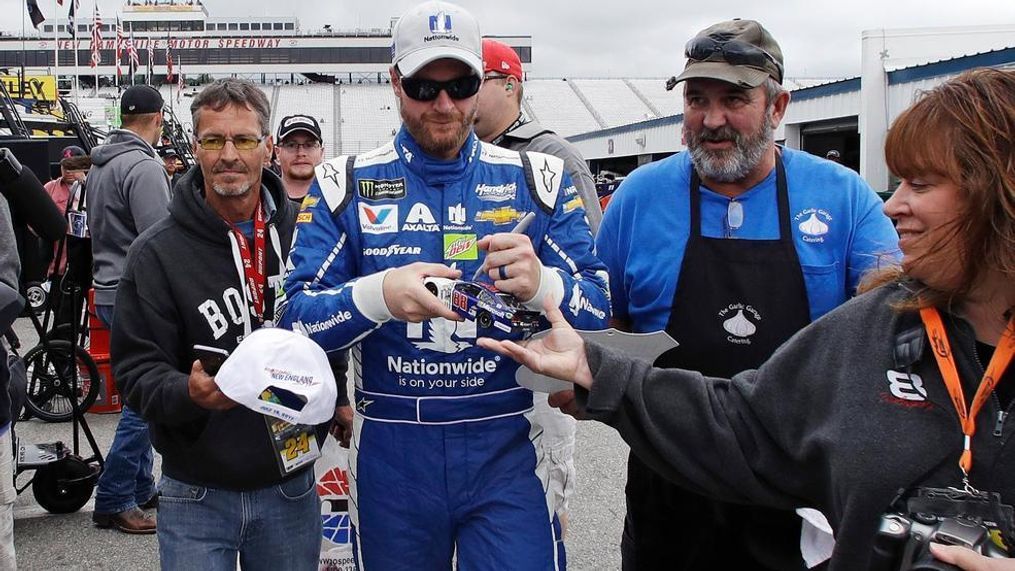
128 192
207 275
300 150
731 247
445 456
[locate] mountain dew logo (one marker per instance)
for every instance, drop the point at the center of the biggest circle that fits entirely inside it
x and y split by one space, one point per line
460 247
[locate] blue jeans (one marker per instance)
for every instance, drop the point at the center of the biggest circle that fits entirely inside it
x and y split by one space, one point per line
126 479
277 527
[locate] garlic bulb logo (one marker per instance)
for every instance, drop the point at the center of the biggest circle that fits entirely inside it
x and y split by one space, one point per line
813 226
739 325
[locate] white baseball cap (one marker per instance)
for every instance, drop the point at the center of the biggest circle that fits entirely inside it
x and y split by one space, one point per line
436 30
280 373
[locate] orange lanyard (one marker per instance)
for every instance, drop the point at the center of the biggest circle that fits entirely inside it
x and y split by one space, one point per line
946 363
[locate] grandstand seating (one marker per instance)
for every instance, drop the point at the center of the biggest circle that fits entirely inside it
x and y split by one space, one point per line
667 103
555 104
358 117
614 100
369 116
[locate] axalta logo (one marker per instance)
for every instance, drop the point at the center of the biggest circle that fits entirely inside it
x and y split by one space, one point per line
378 219
813 224
322 326
393 250
470 366
737 322
420 219
497 193
906 386
581 303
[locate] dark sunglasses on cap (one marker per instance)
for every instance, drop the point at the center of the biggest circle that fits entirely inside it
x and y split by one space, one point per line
428 89
733 52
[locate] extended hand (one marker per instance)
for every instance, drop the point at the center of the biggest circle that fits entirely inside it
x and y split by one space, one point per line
341 425
204 392
561 354
408 300
969 560
511 255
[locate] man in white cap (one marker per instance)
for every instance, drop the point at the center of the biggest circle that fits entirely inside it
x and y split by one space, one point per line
445 456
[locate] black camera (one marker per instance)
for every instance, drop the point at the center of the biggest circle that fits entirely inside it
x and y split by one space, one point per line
973 520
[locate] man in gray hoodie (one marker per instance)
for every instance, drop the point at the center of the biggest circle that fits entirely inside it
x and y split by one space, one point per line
128 191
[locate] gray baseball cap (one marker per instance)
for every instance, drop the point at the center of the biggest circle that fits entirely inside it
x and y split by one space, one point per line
741 52
436 30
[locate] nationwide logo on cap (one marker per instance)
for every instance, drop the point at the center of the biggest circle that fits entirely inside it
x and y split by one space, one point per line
440 27
440 23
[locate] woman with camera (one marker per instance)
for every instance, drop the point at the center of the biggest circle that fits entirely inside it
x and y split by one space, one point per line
901 393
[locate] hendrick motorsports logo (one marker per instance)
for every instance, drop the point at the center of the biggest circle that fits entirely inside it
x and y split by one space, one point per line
371 189
497 193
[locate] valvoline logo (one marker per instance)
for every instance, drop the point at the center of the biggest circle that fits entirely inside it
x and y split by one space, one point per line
333 489
378 219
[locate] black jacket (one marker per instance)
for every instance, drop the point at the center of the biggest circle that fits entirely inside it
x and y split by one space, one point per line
830 421
180 287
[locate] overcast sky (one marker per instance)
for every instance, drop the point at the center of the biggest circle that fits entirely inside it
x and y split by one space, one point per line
628 38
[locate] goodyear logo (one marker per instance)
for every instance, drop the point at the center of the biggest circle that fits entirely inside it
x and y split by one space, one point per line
573 204
304 217
503 215
460 247
371 189
309 202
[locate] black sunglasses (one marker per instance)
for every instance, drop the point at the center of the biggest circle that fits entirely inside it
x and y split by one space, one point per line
428 89
734 52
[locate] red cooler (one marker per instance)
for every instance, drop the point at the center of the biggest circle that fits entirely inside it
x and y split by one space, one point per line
108 400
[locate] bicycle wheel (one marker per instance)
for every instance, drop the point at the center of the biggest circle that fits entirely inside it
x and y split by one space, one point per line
50 373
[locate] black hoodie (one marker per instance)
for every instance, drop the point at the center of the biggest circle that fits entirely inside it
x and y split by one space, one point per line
180 287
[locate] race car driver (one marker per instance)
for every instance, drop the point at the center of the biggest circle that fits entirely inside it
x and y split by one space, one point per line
444 456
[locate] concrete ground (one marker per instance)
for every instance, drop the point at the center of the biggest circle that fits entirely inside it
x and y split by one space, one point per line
45 541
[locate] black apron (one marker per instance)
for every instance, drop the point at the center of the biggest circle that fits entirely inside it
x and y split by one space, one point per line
736 301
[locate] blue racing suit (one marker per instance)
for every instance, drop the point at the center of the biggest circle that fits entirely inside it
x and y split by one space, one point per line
444 456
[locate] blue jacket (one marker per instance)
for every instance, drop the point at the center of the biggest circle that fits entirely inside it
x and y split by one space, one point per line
394 206
839 231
